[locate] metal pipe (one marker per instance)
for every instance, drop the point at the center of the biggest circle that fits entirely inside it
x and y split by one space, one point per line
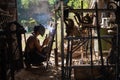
62 39
56 40
98 34
118 46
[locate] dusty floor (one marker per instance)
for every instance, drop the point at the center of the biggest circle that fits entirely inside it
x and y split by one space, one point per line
39 73
43 73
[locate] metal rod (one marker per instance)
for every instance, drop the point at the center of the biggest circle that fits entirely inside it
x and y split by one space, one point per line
91 53
56 39
62 39
98 34
70 57
118 46
91 10
117 55
88 37
67 58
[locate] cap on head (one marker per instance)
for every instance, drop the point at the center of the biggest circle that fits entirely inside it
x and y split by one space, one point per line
40 28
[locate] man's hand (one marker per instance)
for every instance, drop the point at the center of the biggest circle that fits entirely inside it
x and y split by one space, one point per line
45 42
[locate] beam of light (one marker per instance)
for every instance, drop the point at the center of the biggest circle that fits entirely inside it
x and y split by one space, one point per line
50 28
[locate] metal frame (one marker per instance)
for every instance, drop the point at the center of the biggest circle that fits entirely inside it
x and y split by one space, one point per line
66 69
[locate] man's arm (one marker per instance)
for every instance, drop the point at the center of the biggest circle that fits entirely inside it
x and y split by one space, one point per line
37 45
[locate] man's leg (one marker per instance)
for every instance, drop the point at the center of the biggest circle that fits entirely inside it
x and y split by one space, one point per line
27 60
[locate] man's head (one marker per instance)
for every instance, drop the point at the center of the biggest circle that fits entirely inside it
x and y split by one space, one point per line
40 29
